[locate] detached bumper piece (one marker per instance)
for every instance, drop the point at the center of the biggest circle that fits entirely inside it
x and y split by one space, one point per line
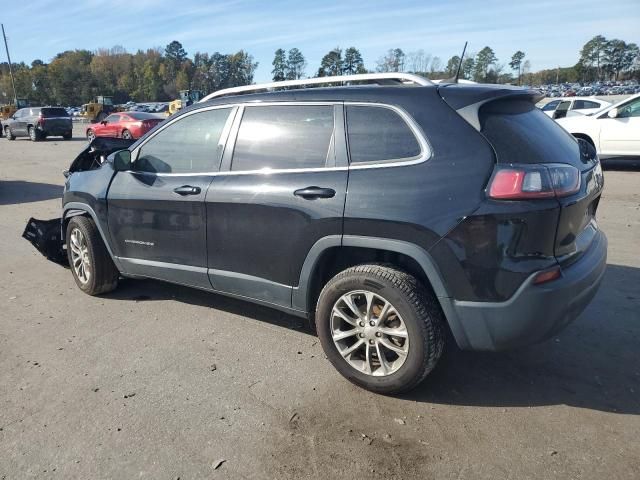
46 236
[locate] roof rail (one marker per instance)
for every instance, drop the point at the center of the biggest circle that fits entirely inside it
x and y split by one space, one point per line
366 77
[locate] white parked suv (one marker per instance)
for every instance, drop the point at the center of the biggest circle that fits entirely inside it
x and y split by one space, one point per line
567 107
614 130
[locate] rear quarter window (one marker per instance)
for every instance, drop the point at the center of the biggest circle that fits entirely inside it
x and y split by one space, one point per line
378 134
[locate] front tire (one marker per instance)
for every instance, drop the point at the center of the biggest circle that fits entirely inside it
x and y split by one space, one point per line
90 262
380 328
9 134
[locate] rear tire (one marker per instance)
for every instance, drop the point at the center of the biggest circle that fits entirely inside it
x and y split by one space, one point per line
9 134
90 262
34 135
68 136
91 135
126 134
410 336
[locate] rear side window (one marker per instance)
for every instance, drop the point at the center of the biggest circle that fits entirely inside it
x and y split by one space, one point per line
551 106
584 104
521 133
192 144
378 134
284 137
54 112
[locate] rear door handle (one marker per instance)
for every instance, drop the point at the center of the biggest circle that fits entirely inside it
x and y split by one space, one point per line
311 193
187 190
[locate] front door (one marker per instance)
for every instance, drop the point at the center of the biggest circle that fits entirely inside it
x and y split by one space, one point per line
621 135
282 189
156 211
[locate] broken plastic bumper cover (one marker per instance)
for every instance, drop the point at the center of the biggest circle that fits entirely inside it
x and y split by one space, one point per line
46 236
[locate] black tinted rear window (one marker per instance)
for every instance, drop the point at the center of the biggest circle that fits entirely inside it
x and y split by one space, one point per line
521 133
378 134
54 112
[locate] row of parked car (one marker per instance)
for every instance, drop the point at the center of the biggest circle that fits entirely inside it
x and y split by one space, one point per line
598 88
38 123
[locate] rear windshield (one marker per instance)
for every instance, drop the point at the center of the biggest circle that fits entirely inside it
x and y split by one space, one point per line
54 112
143 116
521 133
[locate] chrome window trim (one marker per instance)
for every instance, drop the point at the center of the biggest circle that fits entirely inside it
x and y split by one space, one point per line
425 153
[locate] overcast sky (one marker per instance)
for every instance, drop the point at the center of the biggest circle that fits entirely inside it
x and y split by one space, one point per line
550 32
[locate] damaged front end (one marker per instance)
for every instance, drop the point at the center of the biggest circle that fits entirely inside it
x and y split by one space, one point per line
47 235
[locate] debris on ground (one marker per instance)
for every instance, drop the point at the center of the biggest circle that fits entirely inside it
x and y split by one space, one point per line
219 463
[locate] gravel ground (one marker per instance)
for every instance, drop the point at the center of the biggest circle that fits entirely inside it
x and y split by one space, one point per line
158 381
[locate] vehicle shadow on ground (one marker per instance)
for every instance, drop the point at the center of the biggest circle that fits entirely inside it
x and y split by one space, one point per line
592 364
18 191
52 139
621 165
150 290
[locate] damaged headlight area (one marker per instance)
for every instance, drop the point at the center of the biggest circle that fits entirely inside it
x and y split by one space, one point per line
46 236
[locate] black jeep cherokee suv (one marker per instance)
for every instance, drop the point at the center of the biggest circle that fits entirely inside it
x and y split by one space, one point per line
39 123
383 213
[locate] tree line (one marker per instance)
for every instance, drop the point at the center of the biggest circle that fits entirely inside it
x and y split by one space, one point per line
74 77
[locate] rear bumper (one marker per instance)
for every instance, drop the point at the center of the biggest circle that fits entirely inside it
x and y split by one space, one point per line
535 312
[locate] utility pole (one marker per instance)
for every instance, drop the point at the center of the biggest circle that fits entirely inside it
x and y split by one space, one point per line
13 82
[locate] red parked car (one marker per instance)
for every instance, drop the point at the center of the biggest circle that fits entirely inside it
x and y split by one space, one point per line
131 125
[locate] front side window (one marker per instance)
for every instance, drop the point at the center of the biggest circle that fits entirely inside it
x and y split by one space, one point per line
631 109
377 134
112 119
192 144
284 137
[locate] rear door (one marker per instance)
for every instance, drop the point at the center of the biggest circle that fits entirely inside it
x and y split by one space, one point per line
156 211
621 135
281 190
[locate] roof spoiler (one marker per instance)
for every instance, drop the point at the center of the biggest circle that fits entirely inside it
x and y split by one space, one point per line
467 99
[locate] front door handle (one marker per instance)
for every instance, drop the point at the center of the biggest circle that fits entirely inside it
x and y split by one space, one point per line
311 193
187 190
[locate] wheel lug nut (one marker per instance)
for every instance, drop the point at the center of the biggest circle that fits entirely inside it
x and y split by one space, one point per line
370 342
378 334
361 324
372 323
361 335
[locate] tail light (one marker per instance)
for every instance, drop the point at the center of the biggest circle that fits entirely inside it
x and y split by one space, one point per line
522 182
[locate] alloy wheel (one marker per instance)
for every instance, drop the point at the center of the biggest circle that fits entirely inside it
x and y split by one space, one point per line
80 255
369 333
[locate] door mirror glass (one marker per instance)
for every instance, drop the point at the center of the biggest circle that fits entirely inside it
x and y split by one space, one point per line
121 160
613 113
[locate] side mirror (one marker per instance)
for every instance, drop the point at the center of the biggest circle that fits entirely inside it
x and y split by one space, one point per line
103 122
613 113
121 160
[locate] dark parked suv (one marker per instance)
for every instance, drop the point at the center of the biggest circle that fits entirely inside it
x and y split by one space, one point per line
384 213
39 123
